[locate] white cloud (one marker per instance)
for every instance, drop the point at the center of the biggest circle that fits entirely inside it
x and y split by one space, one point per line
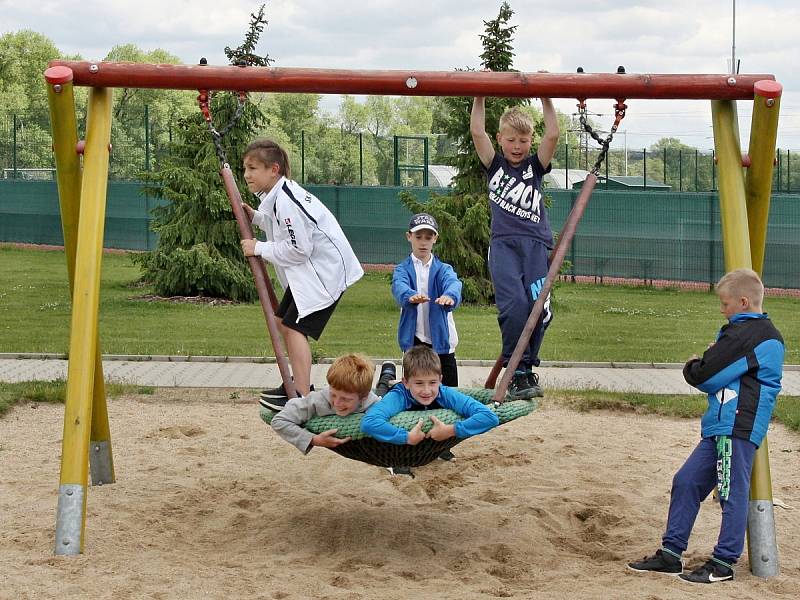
645 36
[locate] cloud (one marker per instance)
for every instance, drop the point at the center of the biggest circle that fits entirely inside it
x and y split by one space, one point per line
645 36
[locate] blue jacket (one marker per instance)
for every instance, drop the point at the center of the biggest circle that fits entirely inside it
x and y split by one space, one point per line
742 374
375 423
442 280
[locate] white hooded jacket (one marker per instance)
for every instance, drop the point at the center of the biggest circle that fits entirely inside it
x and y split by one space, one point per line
306 245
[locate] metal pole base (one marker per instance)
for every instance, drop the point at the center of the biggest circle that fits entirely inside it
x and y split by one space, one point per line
762 547
69 519
100 464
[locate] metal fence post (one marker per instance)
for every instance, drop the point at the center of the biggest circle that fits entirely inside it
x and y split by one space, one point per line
680 170
788 171
396 155
713 170
665 165
302 156
696 156
146 137
644 167
361 158
425 160
14 146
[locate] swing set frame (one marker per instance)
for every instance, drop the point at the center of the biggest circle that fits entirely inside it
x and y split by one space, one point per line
82 183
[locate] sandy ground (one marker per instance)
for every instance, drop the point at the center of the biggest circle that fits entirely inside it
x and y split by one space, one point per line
209 503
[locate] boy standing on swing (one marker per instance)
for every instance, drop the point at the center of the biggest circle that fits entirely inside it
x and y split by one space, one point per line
521 238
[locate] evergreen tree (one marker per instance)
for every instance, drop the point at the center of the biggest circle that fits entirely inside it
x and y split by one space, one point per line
198 249
463 215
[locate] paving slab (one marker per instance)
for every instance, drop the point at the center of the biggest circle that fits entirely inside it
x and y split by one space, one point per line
224 372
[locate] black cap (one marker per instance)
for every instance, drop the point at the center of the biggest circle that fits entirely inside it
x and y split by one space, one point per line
423 221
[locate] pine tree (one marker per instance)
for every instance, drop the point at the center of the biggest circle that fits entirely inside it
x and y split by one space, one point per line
198 249
463 215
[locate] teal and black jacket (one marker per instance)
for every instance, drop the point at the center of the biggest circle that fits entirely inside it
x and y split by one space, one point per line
741 373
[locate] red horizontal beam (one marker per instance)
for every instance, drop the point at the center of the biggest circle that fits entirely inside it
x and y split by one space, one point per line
414 83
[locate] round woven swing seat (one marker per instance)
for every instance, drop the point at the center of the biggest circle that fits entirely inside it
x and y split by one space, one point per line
365 449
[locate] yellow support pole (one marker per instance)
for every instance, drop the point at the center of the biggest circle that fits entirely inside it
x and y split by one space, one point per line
68 175
732 205
762 545
71 516
758 183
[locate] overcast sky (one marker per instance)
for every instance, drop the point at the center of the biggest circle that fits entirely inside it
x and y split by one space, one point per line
680 36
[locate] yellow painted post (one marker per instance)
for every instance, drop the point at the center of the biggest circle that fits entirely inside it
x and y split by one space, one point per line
68 175
758 183
762 545
732 205
71 516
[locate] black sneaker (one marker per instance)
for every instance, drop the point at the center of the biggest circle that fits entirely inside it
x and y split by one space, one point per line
447 455
713 571
401 471
388 374
273 403
660 562
533 381
276 402
278 392
520 388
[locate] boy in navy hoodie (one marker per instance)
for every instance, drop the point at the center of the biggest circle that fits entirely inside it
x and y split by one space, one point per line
741 373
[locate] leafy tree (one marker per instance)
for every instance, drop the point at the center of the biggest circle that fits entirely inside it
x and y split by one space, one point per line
463 215
143 119
24 56
198 249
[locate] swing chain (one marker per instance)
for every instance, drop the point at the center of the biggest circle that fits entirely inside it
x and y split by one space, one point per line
619 114
217 135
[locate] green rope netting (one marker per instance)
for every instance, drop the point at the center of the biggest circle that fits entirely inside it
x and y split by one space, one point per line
366 449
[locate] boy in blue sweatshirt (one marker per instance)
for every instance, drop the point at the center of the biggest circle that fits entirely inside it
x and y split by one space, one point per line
427 291
741 373
421 389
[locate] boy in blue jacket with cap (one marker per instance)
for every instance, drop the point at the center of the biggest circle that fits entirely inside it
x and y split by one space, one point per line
741 373
427 290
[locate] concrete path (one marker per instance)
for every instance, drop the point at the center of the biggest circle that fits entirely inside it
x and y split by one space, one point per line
244 372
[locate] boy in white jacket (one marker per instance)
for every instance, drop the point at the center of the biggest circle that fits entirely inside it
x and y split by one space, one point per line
311 255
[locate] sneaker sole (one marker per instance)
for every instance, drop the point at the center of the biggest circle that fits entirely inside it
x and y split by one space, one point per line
705 582
656 572
271 406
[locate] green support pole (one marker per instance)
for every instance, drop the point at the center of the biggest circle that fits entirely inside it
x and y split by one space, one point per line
68 176
762 547
733 208
302 156
360 158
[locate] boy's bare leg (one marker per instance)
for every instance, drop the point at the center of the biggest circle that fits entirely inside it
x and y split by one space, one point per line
299 351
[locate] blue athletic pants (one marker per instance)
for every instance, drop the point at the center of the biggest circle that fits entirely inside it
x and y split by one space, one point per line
694 481
518 267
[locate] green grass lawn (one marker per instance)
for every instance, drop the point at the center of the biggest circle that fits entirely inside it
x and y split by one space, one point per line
592 322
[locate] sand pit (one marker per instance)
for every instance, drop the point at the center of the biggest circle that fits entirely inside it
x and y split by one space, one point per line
209 503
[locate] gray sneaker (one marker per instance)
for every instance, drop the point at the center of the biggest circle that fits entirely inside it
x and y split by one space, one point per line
520 388
533 381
